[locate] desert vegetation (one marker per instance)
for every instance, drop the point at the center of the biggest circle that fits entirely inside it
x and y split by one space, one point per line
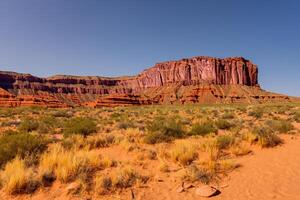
109 150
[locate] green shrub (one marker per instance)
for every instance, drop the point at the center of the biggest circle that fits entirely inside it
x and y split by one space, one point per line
257 113
297 117
203 128
280 125
223 124
81 126
62 113
228 115
225 141
21 144
28 125
160 130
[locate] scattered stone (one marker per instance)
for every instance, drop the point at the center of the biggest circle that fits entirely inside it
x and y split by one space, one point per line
188 185
206 191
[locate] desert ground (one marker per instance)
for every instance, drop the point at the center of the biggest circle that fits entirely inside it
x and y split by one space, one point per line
151 152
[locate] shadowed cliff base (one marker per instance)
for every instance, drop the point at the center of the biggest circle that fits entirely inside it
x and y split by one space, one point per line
193 80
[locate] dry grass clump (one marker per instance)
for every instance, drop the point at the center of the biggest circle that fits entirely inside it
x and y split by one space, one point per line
194 174
263 136
65 165
127 177
103 184
240 149
17 177
184 152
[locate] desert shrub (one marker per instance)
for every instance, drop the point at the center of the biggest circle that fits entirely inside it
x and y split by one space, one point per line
161 130
203 128
228 115
223 124
184 153
66 165
79 125
16 177
257 113
125 125
100 141
297 117
47 124
280 125
62 113
194 174
265 137
21 144
28 125
225 141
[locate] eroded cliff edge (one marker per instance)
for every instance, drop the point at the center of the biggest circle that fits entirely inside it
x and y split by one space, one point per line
193 80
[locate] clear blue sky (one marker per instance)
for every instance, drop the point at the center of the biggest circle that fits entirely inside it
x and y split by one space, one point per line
123 37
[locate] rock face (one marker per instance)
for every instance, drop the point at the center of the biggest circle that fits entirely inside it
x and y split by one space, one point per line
193 80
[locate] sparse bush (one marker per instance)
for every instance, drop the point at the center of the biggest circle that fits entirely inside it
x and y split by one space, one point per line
297 117
223 124
228 115
81 126
62 113
265 137
28 125
100 141
225 141
280 125
126 177
162 130
193 174
184 153
257 113
21 144
203 128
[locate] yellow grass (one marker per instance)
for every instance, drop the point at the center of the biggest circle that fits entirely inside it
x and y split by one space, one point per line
66 165
184 152
15 176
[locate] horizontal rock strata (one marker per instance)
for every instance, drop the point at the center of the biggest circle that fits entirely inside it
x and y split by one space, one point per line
193 80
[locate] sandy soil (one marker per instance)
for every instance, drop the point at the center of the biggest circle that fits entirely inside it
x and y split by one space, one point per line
265 175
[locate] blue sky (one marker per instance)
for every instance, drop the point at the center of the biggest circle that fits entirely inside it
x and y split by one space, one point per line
123 37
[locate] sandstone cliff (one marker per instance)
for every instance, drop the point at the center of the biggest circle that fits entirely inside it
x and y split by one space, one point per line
197 79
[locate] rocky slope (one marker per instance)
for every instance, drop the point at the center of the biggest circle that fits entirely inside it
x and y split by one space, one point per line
193 80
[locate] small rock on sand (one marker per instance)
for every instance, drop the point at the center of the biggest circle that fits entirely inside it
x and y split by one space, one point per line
206 191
